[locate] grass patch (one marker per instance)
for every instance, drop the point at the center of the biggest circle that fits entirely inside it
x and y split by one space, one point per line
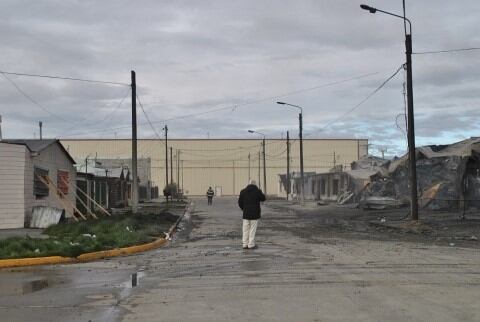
73 239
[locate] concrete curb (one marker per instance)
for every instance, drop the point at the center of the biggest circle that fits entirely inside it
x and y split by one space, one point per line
18 262
86 257
120 251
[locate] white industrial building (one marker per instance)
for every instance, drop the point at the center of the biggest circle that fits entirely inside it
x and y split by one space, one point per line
224 164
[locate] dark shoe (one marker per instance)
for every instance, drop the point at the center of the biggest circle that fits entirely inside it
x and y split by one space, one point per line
245 247
254 247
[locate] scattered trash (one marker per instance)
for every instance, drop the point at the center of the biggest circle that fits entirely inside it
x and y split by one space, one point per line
345 197
451 244
473 238
43 217
383 219
89 235
36 251
74 244
128 229
375 202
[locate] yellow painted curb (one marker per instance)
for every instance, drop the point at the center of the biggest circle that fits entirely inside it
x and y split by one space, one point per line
121 251
17 262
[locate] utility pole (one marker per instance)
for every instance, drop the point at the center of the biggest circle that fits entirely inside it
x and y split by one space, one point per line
87 188
166 154
383 150
171 164
300 135
249 167
1 128
40 124
410 116
264 169
288 164
411 130
134 145
233 168
334 159
259 181
182 176
178 169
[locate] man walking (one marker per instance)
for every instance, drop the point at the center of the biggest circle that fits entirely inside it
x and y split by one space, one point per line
210 195
249 202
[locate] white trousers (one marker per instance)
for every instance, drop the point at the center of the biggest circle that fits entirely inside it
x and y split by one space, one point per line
249 230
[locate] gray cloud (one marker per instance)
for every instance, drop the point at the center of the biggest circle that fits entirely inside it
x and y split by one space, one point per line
194 56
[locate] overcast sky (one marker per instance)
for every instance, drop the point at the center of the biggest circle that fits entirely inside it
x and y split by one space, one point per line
239 58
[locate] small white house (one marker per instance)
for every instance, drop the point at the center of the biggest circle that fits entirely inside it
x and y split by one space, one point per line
22 162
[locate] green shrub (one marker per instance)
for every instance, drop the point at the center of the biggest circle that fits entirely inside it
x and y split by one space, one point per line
71 239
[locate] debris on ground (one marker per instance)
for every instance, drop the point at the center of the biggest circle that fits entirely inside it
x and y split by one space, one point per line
448 178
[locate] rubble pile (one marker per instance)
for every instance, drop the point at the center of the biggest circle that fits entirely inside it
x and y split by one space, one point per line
448 177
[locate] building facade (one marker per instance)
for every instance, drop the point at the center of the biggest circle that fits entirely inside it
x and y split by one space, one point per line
22 162
226 165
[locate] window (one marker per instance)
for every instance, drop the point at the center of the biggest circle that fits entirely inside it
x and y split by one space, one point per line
62 181
324 188
313 187
40 189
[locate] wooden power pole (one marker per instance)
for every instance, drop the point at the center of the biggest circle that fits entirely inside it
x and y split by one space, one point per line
134 145
166 154
288 164
171 164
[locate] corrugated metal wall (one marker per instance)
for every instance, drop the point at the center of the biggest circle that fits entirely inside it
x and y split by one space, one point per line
224 162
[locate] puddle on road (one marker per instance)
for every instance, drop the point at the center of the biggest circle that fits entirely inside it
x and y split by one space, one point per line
23 287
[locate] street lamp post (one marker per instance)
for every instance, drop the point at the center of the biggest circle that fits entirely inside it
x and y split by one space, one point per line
300 136
264 163
411 127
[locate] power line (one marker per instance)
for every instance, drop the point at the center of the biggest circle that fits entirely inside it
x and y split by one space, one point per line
34 102
105 118
362 101
446 51
148 119
116 107
64 78
233 107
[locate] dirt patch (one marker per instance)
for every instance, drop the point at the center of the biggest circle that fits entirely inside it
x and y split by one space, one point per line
441 228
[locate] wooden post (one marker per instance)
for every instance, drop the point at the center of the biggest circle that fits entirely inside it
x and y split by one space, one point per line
60 195
93 200
81 201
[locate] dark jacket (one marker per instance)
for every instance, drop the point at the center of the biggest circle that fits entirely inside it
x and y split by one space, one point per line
249 202
210 193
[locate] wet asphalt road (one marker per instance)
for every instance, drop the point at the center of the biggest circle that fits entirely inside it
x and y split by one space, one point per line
299 273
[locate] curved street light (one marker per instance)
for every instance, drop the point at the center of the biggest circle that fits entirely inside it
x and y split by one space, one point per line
410 123
264 165
300 136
